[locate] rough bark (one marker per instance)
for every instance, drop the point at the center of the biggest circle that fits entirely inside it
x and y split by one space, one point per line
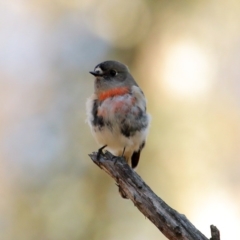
173 225
215 233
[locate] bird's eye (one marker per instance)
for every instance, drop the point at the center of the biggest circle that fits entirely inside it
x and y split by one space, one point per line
113 73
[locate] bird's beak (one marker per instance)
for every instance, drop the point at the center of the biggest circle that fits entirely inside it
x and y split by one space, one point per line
96 74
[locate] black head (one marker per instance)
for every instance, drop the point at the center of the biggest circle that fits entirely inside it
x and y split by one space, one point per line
112 74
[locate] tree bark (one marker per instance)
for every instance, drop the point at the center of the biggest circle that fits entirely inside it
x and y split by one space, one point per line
173 225
215 233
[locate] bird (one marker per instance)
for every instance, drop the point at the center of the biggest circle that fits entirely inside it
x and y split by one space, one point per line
116 112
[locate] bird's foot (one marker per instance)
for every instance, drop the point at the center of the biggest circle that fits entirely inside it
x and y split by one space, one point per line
100 152
116 158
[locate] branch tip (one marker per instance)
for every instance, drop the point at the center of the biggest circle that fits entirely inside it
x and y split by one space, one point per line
214 233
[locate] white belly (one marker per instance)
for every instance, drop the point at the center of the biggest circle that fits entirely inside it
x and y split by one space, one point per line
116 141
114 111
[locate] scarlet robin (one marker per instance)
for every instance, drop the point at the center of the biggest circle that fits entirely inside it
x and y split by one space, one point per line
116 111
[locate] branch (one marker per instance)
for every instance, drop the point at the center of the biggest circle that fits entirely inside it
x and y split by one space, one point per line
173 225
215 233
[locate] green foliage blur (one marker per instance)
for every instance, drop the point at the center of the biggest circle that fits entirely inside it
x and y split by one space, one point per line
185 55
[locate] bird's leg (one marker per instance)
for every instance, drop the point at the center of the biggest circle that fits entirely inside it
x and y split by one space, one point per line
121 156
123 151
99 153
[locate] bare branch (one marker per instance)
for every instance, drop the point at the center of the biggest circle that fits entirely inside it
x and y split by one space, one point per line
173 225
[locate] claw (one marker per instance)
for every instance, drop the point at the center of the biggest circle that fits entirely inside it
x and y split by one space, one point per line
100 152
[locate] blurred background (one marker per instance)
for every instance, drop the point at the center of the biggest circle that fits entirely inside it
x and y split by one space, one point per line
185 55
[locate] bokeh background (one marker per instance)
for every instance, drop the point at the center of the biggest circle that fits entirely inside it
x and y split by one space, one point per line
184 54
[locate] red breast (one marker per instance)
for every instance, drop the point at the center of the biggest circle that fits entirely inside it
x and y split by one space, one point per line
112 93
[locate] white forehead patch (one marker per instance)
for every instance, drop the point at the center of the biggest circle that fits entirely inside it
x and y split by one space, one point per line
98 70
